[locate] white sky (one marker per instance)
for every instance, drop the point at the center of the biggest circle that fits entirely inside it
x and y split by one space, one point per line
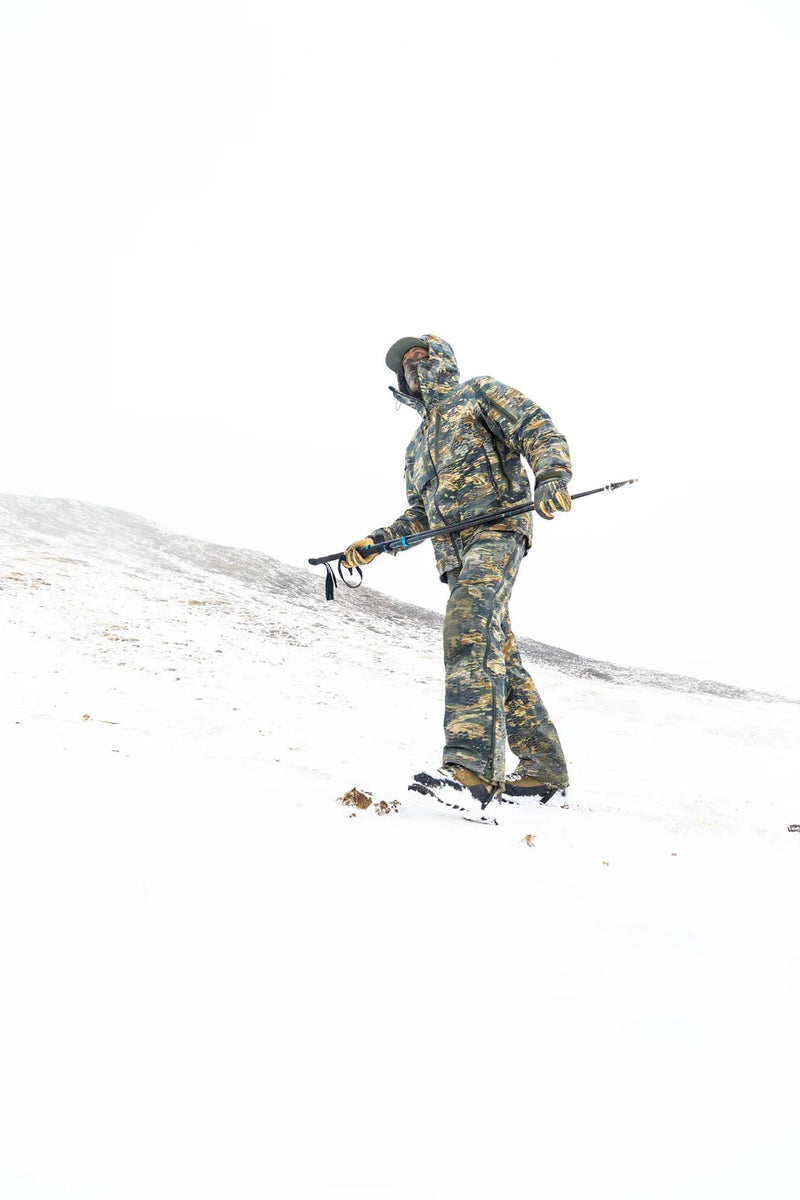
217 216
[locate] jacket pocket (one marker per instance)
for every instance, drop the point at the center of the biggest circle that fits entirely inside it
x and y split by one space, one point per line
422 475
497 475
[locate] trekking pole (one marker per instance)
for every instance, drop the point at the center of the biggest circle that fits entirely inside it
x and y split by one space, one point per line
414 539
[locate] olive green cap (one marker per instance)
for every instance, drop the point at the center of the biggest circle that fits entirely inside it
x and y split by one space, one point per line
394 355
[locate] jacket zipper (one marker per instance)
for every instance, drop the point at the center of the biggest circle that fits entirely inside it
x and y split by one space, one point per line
436 431
496 404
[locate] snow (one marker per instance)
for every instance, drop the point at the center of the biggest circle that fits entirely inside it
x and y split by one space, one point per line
218 981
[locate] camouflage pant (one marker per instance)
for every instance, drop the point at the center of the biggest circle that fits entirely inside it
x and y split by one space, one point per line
488 693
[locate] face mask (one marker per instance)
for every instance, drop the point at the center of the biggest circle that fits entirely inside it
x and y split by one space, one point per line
411 373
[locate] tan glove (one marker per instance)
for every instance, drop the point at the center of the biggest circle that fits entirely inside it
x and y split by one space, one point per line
552 497
353 557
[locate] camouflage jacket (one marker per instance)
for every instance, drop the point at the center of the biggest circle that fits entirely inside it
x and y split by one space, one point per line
464 459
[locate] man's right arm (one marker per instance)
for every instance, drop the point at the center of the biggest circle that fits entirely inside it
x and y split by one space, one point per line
413 520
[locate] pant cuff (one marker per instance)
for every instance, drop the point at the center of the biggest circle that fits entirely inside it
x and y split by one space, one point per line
556 778
478 765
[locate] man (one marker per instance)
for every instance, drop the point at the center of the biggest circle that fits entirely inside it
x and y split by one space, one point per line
464 461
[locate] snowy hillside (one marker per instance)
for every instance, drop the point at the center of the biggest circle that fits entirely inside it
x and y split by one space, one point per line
219 981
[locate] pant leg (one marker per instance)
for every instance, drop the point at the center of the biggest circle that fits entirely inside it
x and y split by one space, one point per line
531 734
475 665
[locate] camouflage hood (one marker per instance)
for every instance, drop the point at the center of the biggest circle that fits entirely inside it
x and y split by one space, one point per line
438 374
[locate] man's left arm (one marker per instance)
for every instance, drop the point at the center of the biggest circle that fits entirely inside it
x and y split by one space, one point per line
527 429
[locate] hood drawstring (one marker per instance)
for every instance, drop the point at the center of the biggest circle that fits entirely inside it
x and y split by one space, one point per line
410 401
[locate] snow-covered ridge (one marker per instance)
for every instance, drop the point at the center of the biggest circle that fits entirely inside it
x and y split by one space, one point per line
220 981
63 544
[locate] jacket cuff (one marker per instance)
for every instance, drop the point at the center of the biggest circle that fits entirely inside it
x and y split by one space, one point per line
552 474
381 535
